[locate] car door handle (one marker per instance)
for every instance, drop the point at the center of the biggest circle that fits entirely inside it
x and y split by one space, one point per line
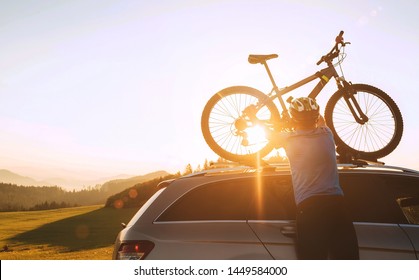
289 231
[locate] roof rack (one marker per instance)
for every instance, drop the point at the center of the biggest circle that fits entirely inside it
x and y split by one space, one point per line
345 155
392 167
250 163
230 166
360 162
344 159
220 168
261 164
233 167
350 159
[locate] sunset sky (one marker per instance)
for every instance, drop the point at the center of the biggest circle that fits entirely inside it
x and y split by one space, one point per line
94 88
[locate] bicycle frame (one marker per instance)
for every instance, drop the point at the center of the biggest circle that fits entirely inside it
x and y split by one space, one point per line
324 75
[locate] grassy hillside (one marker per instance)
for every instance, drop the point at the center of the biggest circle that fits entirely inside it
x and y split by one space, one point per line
84 233
116 186
23 198
137 195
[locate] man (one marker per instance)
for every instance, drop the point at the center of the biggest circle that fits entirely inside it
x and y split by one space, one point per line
324 231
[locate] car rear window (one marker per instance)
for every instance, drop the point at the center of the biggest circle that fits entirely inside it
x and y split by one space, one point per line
407 196
145 207
236 199
377 197
225 200
274 200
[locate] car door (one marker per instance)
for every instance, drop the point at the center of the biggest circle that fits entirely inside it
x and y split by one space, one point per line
371 203
413 232
209 222
406 193
272 216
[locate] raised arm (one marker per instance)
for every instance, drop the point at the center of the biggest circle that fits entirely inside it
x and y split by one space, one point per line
321 122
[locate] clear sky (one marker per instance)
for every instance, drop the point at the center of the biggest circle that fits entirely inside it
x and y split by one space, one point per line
101 87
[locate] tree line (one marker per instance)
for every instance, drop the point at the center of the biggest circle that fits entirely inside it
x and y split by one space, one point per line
22 198
31 198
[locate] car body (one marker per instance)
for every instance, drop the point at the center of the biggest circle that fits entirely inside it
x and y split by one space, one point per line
249 213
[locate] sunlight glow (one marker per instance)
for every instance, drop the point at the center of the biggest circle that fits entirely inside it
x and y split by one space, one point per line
256 135
282 153
87 100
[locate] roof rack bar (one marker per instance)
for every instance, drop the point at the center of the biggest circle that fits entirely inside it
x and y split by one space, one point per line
378 166
359 161
266 166
407 170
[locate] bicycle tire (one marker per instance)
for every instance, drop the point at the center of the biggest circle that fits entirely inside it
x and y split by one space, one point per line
218 123
375 139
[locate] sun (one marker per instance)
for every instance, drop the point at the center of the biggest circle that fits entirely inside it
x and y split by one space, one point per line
256 138
256 135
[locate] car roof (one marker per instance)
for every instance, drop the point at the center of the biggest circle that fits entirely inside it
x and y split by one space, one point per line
285 168
233 170
175 188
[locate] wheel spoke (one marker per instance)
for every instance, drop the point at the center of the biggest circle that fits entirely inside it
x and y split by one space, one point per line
379 134
222 115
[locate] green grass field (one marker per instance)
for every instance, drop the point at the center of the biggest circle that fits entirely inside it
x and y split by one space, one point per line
79 233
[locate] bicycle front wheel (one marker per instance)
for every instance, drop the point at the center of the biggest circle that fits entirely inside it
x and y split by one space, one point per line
376 138
234 123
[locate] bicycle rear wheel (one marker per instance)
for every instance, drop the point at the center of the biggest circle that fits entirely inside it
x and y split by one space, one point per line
233 127
376 138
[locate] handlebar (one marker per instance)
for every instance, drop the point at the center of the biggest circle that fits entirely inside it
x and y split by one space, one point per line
334 52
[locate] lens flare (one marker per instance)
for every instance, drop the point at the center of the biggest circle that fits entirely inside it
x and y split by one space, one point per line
256 135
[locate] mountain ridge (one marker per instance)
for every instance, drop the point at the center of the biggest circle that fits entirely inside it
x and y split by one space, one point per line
10 177
118 185
27 196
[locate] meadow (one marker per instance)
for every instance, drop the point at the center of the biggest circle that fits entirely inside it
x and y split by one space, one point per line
78 233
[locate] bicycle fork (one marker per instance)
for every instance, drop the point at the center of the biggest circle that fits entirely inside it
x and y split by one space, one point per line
353 105
348 92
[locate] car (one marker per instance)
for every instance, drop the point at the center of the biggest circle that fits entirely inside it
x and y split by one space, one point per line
246 212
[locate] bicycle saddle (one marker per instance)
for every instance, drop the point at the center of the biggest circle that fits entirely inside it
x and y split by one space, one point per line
258 58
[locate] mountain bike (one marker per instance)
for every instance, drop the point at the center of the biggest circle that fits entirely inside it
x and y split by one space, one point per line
365 121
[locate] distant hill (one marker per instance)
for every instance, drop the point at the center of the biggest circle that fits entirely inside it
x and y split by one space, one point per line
137 195
27 196
9 177
111 185
116 186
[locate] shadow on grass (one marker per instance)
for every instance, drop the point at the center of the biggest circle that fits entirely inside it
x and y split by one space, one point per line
94 229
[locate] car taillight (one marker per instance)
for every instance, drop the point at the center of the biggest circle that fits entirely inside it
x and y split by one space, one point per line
135 250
